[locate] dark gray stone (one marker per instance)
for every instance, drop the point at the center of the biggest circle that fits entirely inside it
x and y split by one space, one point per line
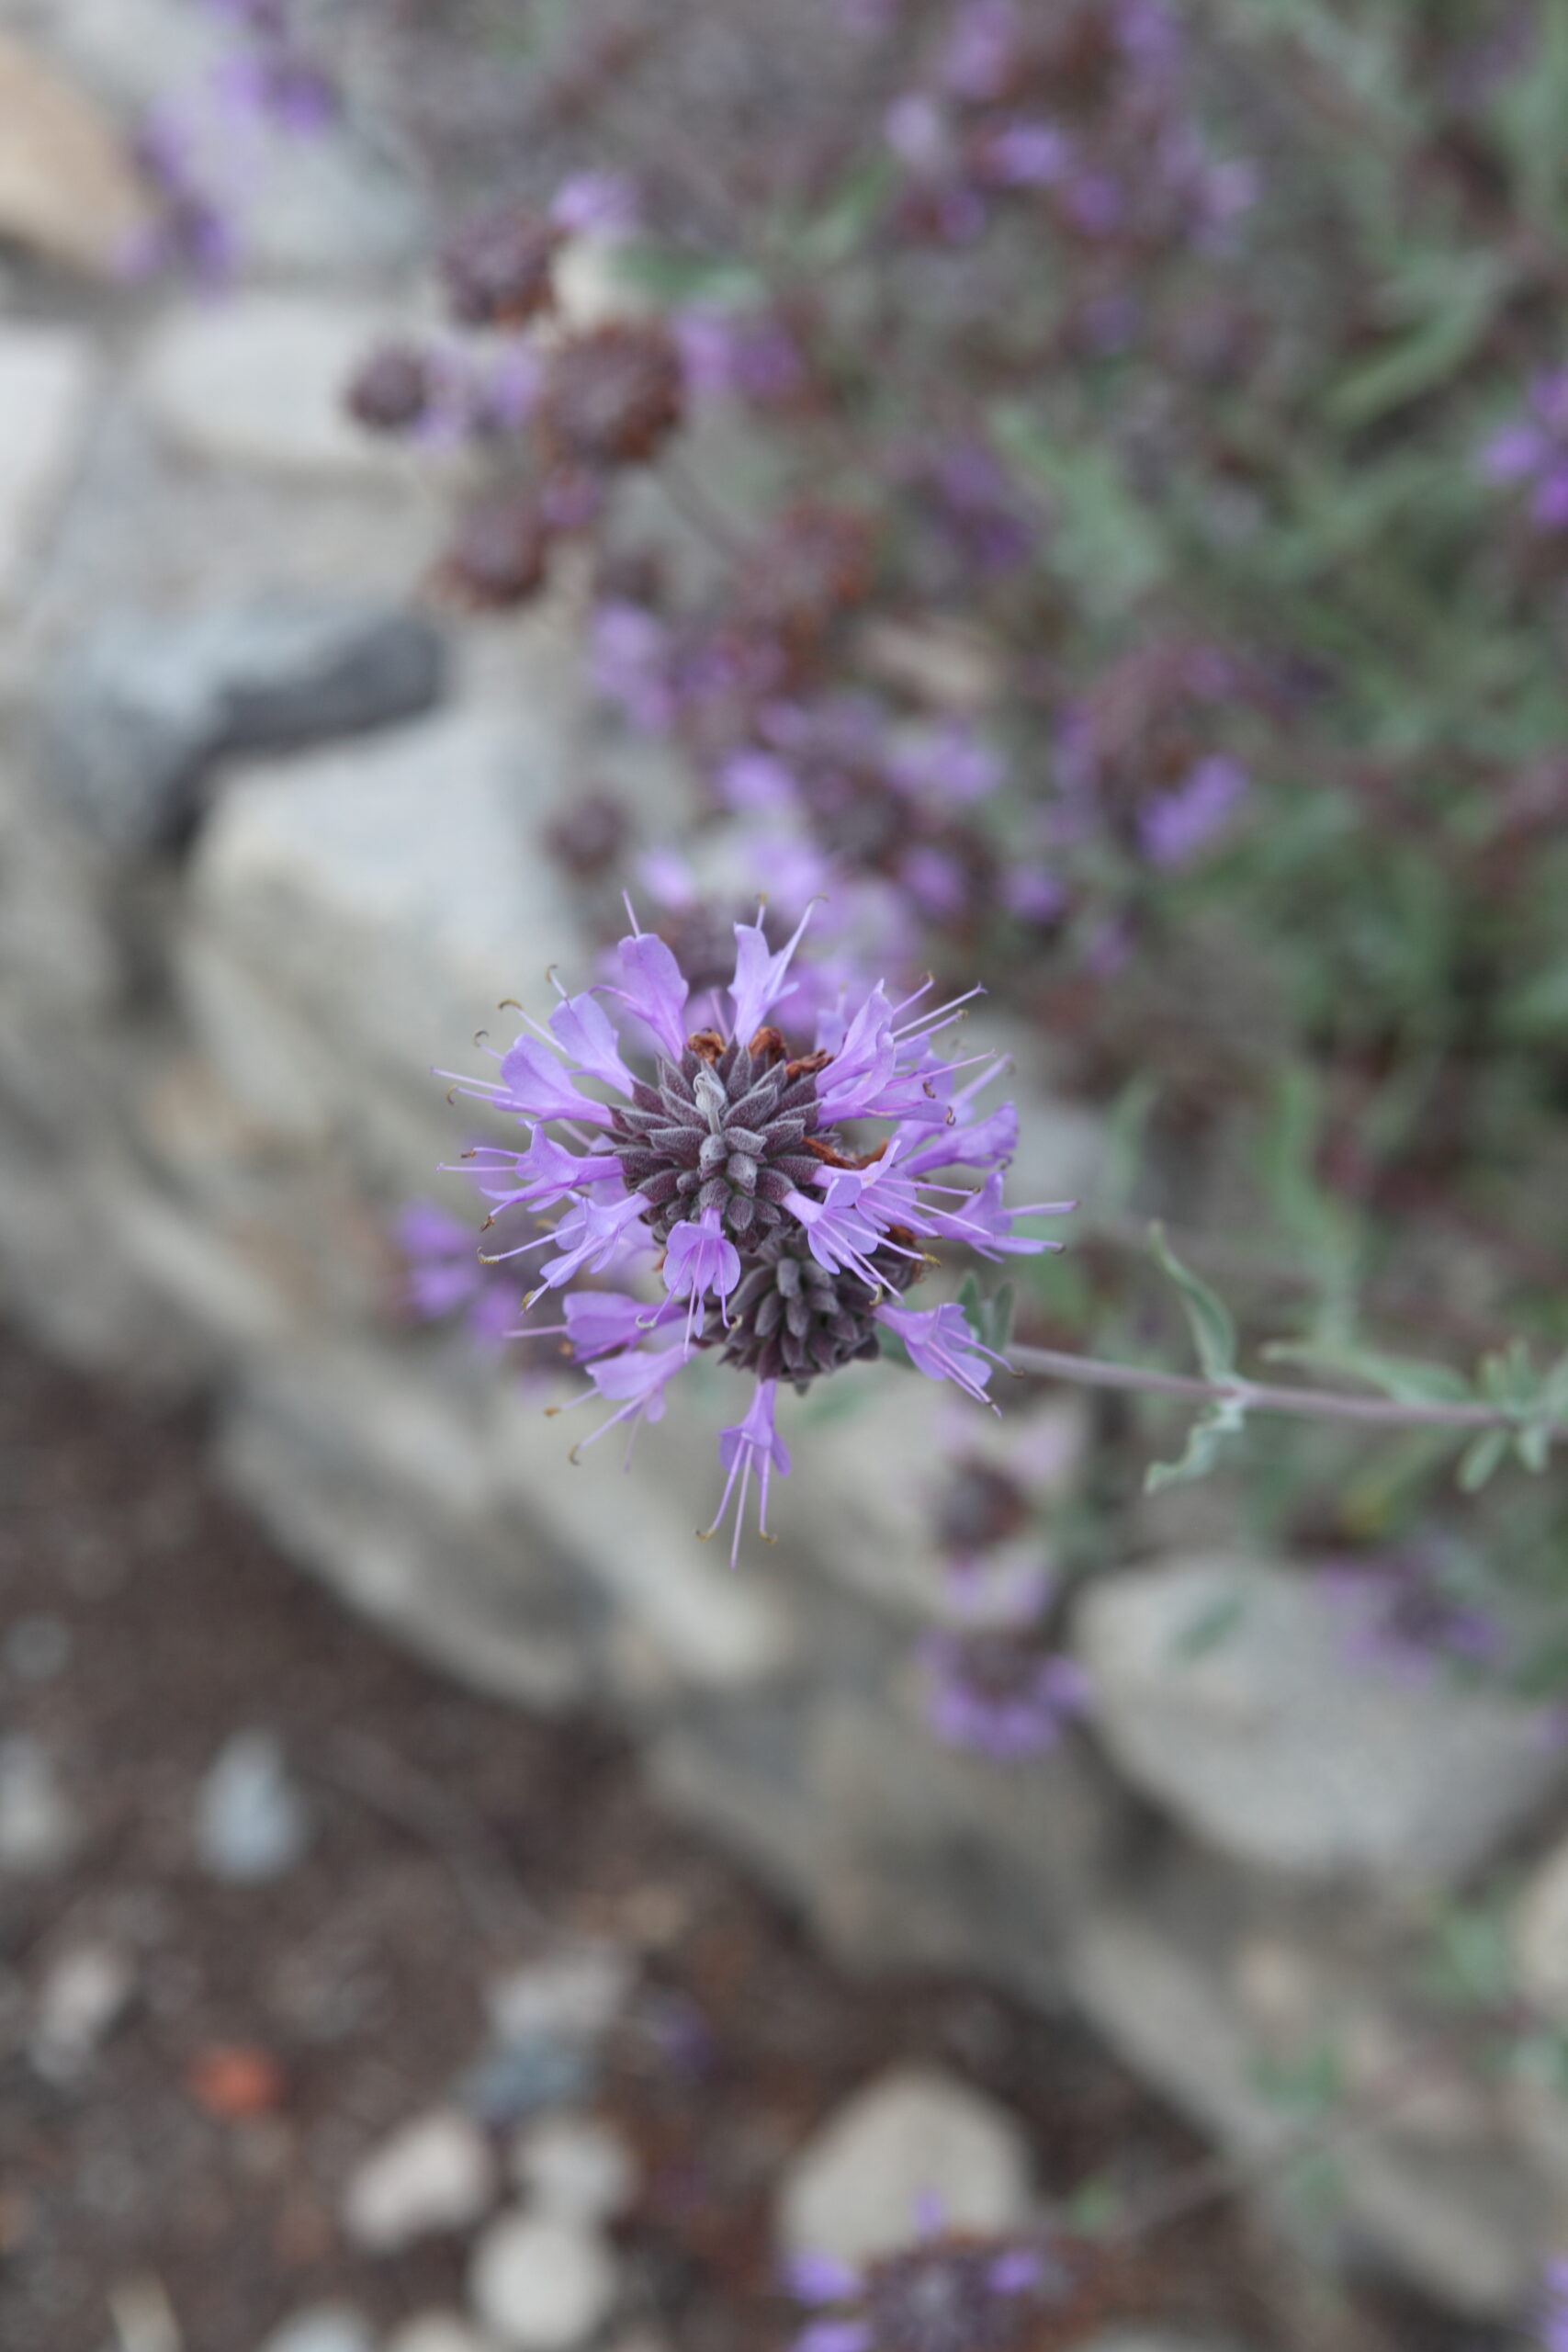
134 716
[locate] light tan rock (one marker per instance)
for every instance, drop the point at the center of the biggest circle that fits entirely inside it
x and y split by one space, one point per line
67 186
914 2136
1541 1935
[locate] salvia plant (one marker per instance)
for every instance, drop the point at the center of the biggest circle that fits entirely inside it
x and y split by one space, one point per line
1079 496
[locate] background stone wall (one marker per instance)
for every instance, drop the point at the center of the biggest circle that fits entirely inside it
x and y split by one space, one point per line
269 849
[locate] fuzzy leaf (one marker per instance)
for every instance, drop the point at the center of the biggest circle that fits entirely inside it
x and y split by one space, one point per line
1484 1456
1224 1418
1533 1446
1208 1317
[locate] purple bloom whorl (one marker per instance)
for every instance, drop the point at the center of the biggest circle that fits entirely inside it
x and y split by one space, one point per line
730 1174
945 2293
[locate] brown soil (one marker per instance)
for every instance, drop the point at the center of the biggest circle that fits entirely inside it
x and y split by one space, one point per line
275 2034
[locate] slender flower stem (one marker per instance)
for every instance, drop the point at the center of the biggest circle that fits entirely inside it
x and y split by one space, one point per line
1261 1397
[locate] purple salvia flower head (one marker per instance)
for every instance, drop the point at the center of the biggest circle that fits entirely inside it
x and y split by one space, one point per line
778 1246
948 2292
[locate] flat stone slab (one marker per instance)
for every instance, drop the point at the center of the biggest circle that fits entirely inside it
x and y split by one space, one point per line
1226 1691
47 381
258 380
133 715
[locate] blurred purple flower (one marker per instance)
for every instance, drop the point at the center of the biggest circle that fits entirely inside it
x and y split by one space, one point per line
1023 154
917 131
756 783
1033 893
947 2292
997 1692
1398 1618
604 202
629 651
935 880
984 49
746 355
444 1274
1551 2315
976 505
275 87
947 764
1532 452
1174 826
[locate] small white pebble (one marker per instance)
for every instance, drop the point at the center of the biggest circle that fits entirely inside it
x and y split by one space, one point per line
435 2174
541 2283
576 2165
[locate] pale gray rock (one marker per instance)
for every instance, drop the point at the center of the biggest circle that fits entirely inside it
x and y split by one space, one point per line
39 1828
576 2165
330 207
683 1618
1463 2221
542 2283
914 2136
47 381
403 874
324 2327
133 715
437 2174
251 1822
134 51
879 1534
1541 1935
258 381
574 1994
86 1991
1224 1690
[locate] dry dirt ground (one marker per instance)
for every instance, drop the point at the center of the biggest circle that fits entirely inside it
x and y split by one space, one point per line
263 2039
